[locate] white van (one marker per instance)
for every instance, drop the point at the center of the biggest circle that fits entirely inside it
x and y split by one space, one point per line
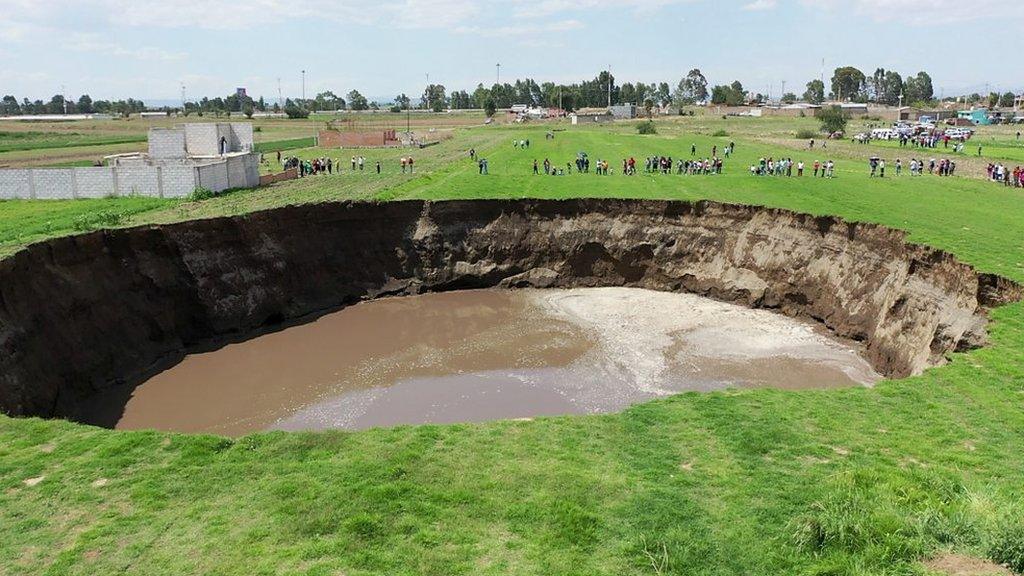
884 134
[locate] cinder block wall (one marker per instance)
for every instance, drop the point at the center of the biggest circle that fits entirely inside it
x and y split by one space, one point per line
201 139
166 143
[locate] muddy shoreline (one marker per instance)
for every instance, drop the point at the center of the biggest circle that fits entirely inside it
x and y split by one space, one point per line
85 314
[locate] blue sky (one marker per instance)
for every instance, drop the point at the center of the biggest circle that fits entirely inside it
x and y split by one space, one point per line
147 48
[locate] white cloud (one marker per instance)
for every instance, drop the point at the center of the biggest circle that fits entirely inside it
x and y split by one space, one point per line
926 12
521 30
84 42
545 8
759 5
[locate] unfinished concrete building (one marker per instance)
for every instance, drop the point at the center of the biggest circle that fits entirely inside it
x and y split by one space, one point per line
215 156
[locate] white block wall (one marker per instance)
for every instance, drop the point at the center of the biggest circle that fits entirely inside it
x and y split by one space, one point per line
14 184
213 177
137 180
94 182
166 143
178 181
53 183
202 139
242 136
167 181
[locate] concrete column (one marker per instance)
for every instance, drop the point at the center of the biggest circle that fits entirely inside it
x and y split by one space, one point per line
32 184
160 181
117 191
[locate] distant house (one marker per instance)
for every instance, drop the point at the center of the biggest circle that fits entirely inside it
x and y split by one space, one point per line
591 116
623 111
977 116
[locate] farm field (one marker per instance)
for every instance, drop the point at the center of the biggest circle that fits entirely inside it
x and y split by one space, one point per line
854 481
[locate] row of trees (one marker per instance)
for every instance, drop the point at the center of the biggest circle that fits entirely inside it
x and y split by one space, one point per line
847 83
882 87
10 106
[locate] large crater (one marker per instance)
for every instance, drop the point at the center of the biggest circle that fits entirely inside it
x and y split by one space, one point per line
86 314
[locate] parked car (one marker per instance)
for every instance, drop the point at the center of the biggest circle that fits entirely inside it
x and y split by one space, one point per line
959 133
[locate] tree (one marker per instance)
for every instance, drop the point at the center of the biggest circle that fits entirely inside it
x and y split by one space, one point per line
732 95
649 108
9 106
1007 100
848 83
357 101
490 107
919 88
328 101
295 112
434 98
892 88
627 93
788 98
84 104
693 88
993 99
832 119
664 94
402 101
815 93
248 110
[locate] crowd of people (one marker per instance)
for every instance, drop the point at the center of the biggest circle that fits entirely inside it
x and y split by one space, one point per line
787 166
1001 173
328 166
652 165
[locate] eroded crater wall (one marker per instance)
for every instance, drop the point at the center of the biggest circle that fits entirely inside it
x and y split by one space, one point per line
86 313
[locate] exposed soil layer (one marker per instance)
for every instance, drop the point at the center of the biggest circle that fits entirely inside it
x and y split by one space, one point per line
87 313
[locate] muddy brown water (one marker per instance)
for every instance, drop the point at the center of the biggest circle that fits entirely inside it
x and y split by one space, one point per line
489 354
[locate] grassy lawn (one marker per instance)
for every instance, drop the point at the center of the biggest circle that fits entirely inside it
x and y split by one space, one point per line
858 481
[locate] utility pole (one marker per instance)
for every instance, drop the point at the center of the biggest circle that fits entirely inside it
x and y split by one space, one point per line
183 98
428 91
280 95
498 81
64 97
783 91
303 88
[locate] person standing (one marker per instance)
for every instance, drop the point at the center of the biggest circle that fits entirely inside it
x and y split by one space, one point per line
535 170
353 163
800 169
378 166
410 164
881 168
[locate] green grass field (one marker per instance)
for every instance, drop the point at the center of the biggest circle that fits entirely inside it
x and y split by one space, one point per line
856 481
13 141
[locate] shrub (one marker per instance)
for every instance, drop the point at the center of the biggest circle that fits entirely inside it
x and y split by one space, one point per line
258 129
200 194
1008 548
806 134
294 112
832 119
647 127
395 109
721 134
95 220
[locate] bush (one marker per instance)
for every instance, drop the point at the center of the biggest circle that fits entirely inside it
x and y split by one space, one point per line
1008 548
294 112
258 129
806 134
200 194
832 119
647 127
721 134
395 109
104 219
